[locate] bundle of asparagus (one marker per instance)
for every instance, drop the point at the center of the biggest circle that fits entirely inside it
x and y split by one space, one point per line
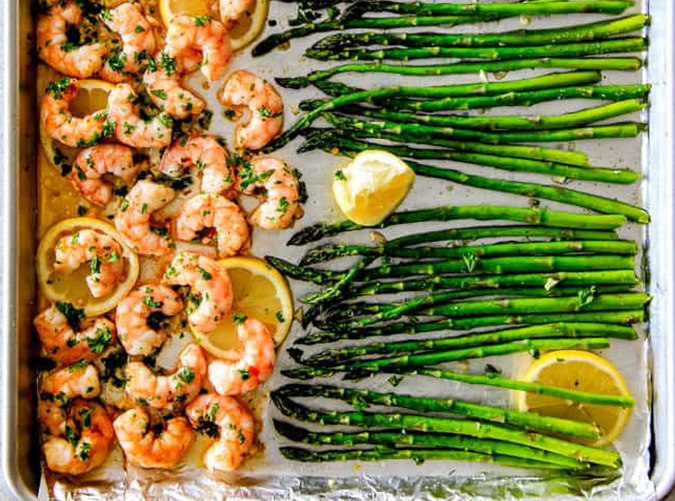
420 14
481 435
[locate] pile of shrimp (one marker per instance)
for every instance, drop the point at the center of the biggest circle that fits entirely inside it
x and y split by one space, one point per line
161 411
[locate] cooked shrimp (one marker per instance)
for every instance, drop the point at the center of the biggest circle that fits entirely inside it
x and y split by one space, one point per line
187 34
93 163
175 390
133 217
101 251
209 282
279 186
166 91
266 109
232 10
59 122
143 447
130 128
59 388
86 443
138 42
137 337
204 152
229 421
55 49
255 365
213 212
63 344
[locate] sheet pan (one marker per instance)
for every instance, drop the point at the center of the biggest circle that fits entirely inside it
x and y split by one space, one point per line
272 477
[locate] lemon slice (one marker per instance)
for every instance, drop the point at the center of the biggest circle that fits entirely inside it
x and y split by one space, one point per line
72 288
250 25
93 97
583 371
371 186
241 34
260 292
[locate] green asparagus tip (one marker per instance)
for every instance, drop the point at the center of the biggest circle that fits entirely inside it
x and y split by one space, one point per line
293 83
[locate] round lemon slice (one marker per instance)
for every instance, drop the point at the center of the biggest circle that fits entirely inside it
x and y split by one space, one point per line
260 292
371 186
93 97
247 28
72 288
583 371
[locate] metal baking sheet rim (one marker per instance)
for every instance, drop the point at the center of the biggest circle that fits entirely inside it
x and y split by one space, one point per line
659 194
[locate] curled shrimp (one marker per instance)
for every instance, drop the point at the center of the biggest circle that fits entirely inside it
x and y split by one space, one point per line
144 447
279 186
138 42
66 346
102 252
86 443
210 286
266 109
205 212
55 49
174 390
188 35
57 390
232 10
59 122
253 368
133 218
166 91
133 312
130 128
93 163
227 420
205 153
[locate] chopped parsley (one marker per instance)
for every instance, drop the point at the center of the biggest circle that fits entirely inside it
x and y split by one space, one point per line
73 315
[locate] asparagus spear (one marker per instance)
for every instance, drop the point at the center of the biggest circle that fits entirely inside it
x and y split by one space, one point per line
544 217
344 145
449 425
321 254
497 9
419 456
567 34
493 123
546 281
435 305
396 247
436 441
361 399
614 317
513 151
461 68
498 266
557 194
342 311
550 81
370 366
383 23
622 45
518 98
498 381
628 129
558 330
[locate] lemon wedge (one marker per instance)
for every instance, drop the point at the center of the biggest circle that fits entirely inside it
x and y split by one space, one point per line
93 97
72 288
259 291
371 186
583 371
247 28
